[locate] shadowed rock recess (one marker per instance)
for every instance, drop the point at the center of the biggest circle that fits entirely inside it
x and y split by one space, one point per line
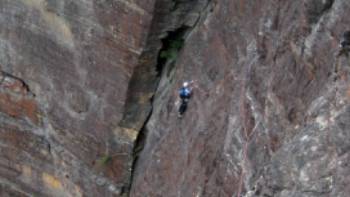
88 98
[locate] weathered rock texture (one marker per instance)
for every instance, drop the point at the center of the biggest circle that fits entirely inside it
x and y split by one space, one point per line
65 69
269 115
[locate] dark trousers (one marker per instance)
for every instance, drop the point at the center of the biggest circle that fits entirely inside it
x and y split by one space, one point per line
183 106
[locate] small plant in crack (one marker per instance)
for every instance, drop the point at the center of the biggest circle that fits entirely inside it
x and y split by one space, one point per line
172 44
104 160
172 51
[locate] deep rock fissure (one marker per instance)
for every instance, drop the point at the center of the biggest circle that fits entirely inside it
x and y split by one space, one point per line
167 36
172 44
175 37
139 145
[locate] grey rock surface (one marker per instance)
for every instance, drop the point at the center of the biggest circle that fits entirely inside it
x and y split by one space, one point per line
270 107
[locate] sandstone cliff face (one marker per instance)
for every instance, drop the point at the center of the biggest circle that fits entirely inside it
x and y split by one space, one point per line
269 116
88 98
65 68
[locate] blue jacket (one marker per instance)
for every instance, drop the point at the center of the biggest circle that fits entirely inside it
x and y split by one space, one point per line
185 92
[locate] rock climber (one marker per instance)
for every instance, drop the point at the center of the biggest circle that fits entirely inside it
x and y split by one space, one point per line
345 43
185 93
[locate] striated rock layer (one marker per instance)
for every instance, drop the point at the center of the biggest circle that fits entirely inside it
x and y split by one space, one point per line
270 110
65 69
88 98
